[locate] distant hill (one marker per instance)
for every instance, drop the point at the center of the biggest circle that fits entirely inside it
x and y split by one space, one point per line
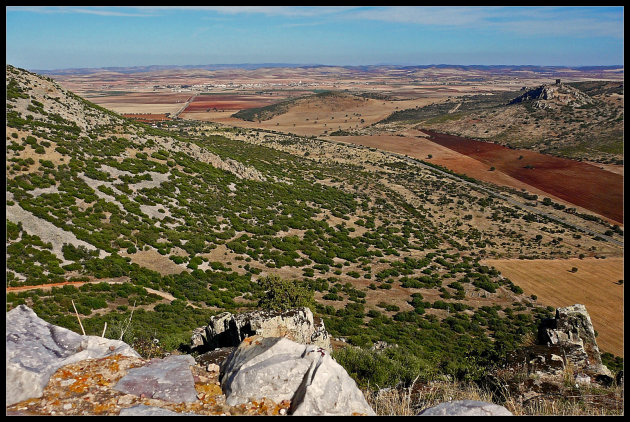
327 100
559 71
580 120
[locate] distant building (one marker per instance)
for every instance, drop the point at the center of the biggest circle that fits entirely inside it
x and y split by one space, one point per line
557 81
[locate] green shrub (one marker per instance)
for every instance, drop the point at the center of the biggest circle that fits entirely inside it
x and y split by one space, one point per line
280 294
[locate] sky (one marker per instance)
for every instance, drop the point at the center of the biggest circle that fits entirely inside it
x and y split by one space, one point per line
62 37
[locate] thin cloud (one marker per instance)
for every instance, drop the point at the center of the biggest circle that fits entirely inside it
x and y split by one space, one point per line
70 9
286 11
534 21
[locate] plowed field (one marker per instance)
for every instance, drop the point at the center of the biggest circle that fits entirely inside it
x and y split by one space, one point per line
579 183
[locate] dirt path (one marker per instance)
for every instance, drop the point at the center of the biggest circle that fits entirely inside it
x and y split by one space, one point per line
118 280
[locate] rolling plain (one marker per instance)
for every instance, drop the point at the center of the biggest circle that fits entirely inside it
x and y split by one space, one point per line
367 185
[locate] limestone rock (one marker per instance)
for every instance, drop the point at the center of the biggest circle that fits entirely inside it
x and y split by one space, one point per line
280 369
166 379
328 390
144 410
572 327
554 96
35 349
466 408
228 330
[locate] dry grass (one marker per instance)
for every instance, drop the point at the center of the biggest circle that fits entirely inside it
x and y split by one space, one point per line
589 402
410 401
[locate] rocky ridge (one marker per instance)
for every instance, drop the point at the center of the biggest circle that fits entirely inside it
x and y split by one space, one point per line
554 96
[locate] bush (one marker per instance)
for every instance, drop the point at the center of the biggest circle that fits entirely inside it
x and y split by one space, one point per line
283 294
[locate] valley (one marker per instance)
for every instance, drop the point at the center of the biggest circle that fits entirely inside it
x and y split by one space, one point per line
354 183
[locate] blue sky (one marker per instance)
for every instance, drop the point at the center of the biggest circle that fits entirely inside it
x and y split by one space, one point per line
70 37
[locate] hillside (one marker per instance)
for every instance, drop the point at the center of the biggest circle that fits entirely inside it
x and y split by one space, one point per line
581 120
327 102
175 225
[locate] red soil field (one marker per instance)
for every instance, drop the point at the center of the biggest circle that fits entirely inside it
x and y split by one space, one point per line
579 183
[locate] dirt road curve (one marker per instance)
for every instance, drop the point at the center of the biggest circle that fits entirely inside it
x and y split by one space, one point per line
118 280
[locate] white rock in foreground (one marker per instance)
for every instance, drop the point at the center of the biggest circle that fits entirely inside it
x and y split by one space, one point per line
280 369
466 408
35 349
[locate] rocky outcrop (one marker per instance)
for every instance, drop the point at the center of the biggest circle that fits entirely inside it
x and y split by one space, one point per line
552 96
466 408
283 370
35 349
566 355
228 330
572 330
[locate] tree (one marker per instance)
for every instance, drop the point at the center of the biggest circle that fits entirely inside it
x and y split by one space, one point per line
283 294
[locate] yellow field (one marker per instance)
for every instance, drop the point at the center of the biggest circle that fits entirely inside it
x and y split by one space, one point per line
594 285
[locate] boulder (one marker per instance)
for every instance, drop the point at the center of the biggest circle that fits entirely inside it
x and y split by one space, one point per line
228 330
168 379
280 369
572 330
466 408
35 349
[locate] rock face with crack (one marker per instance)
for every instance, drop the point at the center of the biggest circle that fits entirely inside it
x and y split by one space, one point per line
228 330
166 379
35 349
280 369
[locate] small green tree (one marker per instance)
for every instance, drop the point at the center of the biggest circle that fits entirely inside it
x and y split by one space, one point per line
280 294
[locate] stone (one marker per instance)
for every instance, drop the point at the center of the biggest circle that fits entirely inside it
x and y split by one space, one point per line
572 329
228 330
168 379
328 390
213 367
466 408
35 349
264 367
280 369
144 410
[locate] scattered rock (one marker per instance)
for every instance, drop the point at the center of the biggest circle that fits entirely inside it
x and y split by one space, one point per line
35 349
228 330
168 379
281 369
466 408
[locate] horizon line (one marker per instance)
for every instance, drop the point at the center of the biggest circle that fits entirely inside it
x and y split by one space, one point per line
281 64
